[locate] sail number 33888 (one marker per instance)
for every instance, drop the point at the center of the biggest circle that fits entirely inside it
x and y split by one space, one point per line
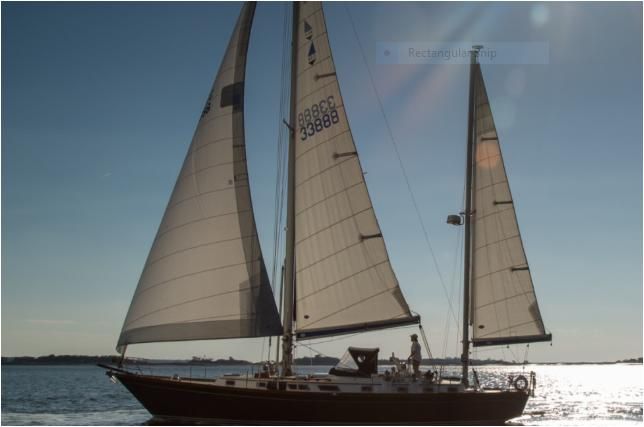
317 118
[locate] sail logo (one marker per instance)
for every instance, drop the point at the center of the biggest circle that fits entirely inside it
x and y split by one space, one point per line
308 34
308 31
312 54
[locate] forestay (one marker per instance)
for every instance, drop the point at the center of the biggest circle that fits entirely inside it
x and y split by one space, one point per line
344 281
205 277
504 305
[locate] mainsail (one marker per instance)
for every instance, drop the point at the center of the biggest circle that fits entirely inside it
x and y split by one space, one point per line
343 279
503 302
205 277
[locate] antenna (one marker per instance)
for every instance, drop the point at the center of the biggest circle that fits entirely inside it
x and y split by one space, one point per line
475 53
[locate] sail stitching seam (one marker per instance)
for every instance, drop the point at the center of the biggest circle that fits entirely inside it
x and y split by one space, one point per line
337 282
351 216
344 190
327 257
198 147
194 273
211 167
208 118
150 263
350 306
492 185
321 143
310 94
150 313
499 209
322 171
203 194
493 272
517 295
496 242
509 328
166 231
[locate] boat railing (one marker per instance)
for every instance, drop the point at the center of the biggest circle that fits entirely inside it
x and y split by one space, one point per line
520 381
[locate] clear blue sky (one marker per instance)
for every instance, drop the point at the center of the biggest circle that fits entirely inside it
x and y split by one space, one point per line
100 101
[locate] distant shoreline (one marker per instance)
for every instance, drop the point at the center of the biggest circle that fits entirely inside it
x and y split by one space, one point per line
304 361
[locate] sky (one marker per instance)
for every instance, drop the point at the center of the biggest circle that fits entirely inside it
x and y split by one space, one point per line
100 101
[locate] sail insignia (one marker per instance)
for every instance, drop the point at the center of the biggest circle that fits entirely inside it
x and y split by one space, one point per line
308 31
205 276
504 307
312 56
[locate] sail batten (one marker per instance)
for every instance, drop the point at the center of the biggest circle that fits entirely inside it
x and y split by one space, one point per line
363 327
205 276
526 339
504 307
344 281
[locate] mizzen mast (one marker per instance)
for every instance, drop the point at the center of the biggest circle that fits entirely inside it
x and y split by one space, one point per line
465 359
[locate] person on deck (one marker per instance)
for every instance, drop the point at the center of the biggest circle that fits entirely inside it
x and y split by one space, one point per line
415 356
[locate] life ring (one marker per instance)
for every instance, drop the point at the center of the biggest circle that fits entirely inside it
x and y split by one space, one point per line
521 383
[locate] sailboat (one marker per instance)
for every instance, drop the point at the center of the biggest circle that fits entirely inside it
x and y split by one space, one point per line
205 276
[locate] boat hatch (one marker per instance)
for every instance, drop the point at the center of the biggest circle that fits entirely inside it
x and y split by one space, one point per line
357 362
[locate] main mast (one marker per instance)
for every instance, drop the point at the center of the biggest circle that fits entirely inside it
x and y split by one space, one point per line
465 359
289 263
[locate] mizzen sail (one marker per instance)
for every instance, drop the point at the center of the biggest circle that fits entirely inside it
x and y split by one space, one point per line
343 279
205 277
503 302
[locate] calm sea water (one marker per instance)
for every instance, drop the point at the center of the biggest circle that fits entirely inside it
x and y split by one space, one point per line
83 395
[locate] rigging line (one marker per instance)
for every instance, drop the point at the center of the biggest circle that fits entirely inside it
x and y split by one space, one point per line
461 273
400 162
344 337
456 278
279 180
514 356
313 350
426 342
263 345
280 174
455 273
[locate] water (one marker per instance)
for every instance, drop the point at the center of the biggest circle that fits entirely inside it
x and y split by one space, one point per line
83 395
